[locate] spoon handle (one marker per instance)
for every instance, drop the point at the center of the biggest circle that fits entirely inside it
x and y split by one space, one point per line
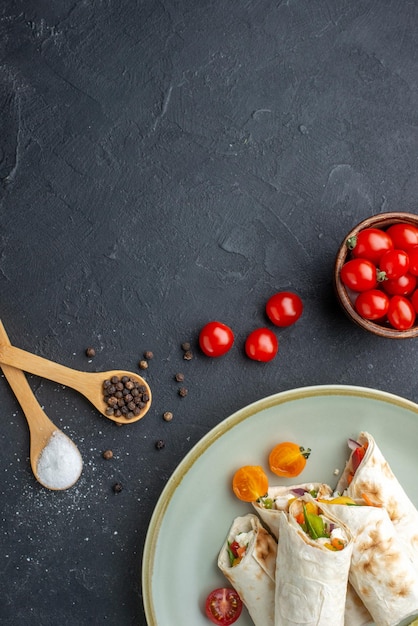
16 357
89 384
38 421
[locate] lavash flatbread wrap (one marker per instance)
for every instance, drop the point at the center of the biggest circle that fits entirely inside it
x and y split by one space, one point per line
278 499
381 572
355 613
253 574
311 573
373 477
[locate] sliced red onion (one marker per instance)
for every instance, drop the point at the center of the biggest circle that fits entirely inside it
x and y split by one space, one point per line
298 491
353 444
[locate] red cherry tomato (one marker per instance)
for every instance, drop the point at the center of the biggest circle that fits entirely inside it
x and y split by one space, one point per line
414 300
413 260
359 275
370 243
394 263
372 304
404 236
223 606
284 308
402 286
401 313
261 345
215 339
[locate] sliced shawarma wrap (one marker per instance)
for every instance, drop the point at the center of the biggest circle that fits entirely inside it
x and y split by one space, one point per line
312 566
381 572
248 560
278 499
355 613
368 475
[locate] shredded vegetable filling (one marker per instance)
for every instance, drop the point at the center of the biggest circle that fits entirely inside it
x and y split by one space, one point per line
282 502
320 529
238 547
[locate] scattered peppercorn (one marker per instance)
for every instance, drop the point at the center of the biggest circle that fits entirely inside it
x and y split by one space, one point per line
168 416
185 346
124 397
159 444
179 377
90 352
148 355
117 487
143 365
107 454
183 392
188 355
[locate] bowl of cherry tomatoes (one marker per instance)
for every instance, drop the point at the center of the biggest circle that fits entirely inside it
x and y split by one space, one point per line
376 275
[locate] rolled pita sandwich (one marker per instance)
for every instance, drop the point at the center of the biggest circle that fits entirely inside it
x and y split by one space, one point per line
278 499
312 566
248 560
381 572
368 476
355 613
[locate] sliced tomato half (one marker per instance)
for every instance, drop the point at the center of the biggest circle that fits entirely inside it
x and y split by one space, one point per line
223 606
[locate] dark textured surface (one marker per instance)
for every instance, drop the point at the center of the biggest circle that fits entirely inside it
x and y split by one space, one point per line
163 164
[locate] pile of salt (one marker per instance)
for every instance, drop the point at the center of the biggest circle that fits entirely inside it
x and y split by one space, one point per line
60 463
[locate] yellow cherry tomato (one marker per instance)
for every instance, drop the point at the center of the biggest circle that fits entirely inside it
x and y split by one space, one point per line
249 483
288 459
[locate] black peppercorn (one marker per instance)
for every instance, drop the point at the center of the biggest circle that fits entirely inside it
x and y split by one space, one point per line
159 444
183 392
117 488
179 377
185 346
148 355
188 355
90 352
123 395
107 454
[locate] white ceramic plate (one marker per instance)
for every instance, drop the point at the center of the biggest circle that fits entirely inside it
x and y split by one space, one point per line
196 508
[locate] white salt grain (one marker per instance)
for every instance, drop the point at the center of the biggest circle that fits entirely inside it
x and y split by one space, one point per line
60 464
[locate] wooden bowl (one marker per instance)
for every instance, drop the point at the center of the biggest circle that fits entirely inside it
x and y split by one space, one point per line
382 221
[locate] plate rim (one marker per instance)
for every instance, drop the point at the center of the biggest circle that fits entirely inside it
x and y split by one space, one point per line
187 462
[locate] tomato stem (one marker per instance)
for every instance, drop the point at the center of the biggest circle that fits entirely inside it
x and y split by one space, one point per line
351 242
304 452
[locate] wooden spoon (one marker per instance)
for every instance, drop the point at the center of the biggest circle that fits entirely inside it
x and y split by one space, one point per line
90 384
40 426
